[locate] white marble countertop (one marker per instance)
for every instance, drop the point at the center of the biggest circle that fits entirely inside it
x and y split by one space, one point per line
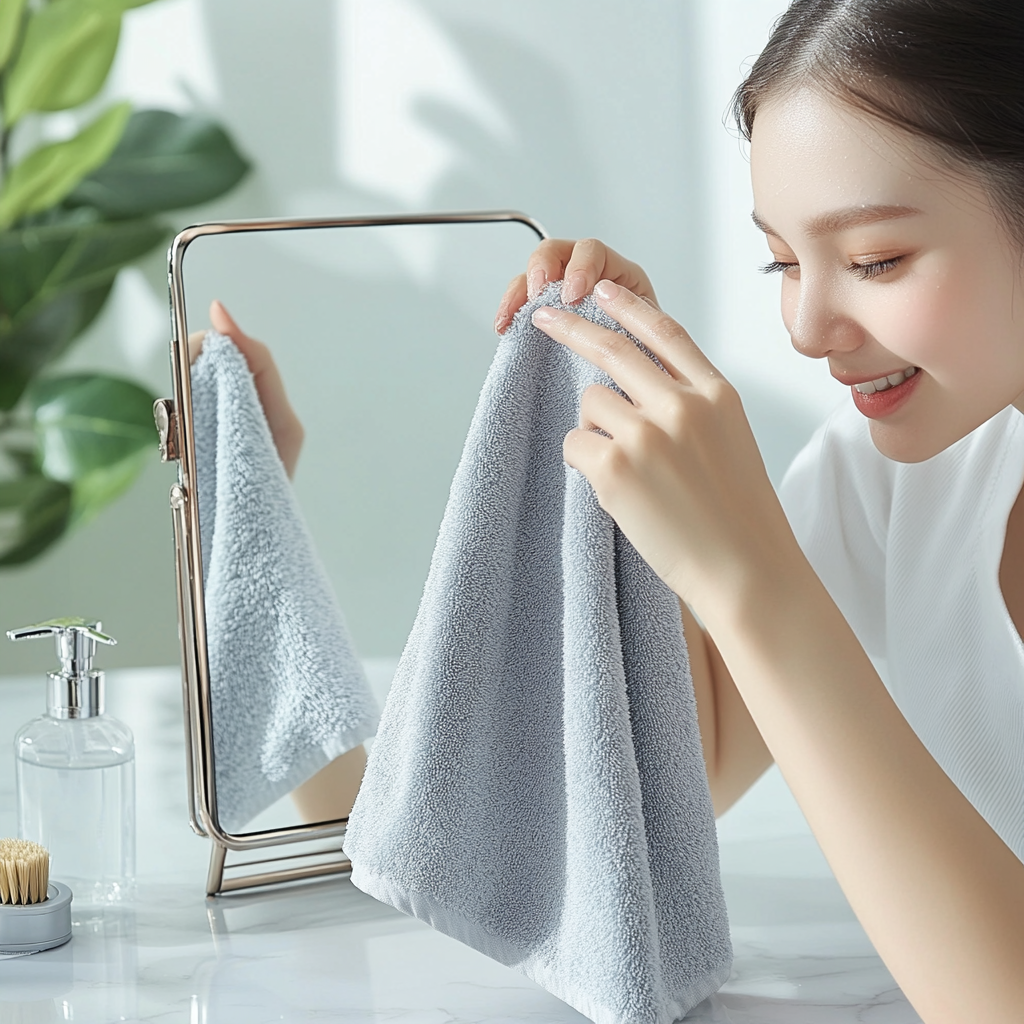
326 952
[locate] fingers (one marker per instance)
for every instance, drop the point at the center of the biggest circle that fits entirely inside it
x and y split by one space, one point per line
222 320
257 355
579 265
637 375
592 260
630 368
583 448
585 268
666 338
195 345
511 301
606 410
285 426
547 264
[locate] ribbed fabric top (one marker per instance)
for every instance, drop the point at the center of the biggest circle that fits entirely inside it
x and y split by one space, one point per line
910 553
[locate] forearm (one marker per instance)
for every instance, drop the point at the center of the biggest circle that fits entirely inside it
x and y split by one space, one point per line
940 895
704 693
735 755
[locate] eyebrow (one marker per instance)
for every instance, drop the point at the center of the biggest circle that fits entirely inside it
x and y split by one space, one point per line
840 220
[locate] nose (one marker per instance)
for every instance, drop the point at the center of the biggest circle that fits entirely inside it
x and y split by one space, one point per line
816 319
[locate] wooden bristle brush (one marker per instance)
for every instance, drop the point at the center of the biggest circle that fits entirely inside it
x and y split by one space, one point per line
24 872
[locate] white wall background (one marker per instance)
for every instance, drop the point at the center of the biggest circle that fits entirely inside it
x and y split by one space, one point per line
600 118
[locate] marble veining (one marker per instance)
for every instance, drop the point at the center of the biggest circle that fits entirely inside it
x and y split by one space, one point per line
326 952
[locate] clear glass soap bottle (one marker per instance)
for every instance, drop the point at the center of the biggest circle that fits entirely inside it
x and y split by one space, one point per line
76 772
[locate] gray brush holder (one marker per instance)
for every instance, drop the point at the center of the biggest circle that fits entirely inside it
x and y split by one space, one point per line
37 926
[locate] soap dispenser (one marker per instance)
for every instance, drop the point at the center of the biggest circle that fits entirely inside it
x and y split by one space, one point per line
76 771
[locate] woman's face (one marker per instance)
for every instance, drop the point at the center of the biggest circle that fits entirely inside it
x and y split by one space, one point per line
894 265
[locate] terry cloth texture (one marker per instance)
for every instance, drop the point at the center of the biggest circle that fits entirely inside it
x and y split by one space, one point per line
537 788
289 694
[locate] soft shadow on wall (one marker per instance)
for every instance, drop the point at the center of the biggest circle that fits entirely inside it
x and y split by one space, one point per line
426 114
589 123
478 117
457 128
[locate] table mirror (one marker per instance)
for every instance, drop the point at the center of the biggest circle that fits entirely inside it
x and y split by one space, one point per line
381 328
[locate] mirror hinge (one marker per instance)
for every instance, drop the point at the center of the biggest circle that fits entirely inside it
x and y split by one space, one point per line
166 415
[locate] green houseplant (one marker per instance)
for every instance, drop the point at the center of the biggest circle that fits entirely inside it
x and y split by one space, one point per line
72 214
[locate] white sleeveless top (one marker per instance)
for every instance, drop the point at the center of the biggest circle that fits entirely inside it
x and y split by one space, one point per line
910 553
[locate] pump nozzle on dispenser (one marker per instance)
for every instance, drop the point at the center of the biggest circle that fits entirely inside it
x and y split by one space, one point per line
76 691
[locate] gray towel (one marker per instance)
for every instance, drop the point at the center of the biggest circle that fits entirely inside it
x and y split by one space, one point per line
289 694
537 788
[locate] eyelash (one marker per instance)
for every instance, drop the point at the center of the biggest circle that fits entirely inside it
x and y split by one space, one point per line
865 271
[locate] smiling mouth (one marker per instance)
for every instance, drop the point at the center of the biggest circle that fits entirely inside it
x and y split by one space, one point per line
884 383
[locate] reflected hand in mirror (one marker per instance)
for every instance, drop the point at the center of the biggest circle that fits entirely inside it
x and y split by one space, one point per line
331 792
284 425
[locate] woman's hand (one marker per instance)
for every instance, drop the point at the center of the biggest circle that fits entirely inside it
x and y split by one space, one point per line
580 265
285 427
679 471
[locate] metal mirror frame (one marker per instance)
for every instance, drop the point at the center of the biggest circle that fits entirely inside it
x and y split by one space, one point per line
177 444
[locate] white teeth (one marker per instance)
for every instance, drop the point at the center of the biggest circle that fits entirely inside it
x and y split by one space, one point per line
884 383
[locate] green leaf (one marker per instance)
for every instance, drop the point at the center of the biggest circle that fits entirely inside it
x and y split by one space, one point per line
33 341
48 174
23 458
54 279
163 162
68 48
34 512
10 26
97 489
88 422
37 263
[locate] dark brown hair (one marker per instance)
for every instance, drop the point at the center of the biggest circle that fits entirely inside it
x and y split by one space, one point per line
948 71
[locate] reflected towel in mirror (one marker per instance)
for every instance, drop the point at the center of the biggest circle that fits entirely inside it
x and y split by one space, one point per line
288 692
537 786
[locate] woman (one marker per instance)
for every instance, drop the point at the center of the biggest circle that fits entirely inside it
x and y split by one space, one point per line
887 161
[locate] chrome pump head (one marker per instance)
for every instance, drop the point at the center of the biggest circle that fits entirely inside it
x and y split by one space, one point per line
76 691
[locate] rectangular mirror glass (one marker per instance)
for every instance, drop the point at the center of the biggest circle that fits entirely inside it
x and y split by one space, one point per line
383 334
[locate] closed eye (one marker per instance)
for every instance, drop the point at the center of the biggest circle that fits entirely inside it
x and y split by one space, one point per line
776 267
866 271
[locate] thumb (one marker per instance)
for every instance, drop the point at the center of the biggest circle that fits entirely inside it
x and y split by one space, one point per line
254 352
222 320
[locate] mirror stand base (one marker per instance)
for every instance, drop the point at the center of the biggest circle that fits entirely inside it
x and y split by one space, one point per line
329 860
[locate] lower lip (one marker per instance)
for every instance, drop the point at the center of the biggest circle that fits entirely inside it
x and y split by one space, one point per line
885 403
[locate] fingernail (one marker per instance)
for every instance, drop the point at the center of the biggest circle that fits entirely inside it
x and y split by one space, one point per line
606 290
535 282
223 312
544 315
501 320
574 288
